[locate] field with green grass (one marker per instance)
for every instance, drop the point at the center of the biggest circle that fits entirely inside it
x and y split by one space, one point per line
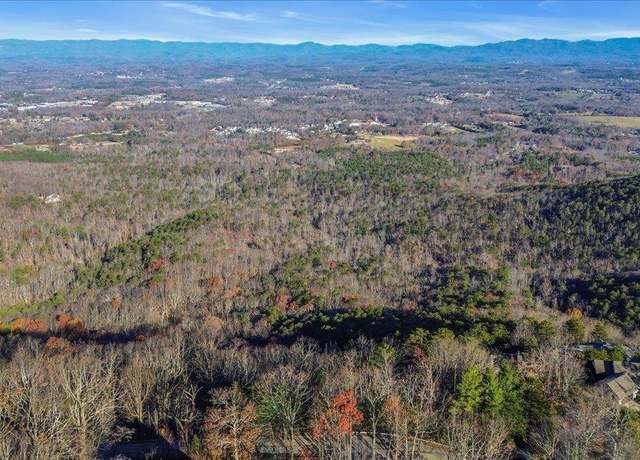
33 155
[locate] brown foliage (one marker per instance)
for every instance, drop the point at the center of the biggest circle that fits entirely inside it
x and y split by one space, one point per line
70 326
349 298
156 265
230 425
57 345
116 302
284 303
63 320
212 283
28 326
231 293
213 324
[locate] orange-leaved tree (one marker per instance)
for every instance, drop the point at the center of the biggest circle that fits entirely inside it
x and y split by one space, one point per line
71 327
339 419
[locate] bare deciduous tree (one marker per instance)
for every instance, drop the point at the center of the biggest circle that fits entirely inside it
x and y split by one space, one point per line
89 391
230 425
138 380
374 388
474 438
557 367
592 424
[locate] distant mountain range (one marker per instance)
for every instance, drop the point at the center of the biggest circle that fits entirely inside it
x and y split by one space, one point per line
618 50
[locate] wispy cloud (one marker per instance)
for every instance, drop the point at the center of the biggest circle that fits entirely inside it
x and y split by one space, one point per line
290 14
390 3
517 27
603 34
333 20
208 12
548 4
85 30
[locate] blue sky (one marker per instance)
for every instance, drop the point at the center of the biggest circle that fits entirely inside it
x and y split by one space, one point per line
391 22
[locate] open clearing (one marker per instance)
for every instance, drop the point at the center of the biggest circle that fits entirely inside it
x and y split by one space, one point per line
34 155
620 122
574 95
390 142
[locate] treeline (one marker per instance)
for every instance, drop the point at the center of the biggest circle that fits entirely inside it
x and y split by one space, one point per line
235 401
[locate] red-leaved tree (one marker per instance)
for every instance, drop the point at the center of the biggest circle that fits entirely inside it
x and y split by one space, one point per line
338 420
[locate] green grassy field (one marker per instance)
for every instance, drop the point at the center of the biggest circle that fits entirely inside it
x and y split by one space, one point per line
12 311
34 155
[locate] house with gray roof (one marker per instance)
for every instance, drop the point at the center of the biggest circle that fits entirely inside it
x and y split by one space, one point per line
613 376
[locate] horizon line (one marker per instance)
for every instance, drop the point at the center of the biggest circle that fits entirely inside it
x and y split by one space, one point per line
201 42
